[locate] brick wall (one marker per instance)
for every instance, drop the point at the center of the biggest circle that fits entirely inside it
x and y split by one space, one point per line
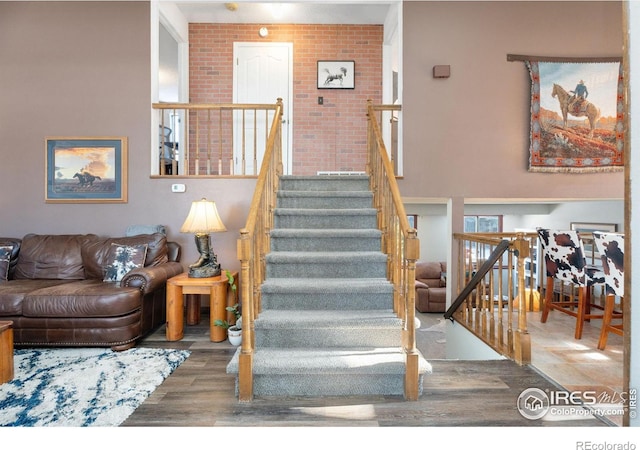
331 136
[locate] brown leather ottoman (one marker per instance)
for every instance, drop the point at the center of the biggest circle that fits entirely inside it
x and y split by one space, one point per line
6 352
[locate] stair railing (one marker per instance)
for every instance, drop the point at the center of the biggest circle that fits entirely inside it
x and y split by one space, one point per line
496 288
399 243
253 245
217 139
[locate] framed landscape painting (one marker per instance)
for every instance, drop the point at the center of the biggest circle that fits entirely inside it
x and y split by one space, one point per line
86 170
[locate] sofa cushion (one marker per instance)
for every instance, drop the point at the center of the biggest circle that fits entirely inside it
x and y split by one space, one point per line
86 298
123 259
428 270
432 273
5 259
12 294
95 254
52 257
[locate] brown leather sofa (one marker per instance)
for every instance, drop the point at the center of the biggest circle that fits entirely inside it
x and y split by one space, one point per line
55 294
431 290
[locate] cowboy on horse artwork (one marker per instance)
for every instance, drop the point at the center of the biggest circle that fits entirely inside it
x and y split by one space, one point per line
568 106
577 102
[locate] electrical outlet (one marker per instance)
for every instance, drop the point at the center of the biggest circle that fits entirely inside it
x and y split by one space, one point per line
178 188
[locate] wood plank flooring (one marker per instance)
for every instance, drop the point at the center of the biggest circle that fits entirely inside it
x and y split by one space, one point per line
458 393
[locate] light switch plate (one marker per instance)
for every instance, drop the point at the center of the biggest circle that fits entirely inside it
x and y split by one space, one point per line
178 188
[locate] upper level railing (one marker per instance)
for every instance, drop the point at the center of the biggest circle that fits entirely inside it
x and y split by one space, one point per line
253 245
399 243
493 285
212 139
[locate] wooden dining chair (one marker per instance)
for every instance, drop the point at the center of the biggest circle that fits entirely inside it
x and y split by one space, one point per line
610 246
565 261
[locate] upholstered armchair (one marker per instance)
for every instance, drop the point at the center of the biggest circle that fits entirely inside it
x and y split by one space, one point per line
431 290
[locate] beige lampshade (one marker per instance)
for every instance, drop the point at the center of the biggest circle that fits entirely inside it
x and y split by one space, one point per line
203 218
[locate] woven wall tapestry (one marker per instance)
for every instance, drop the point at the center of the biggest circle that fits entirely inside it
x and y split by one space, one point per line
577 116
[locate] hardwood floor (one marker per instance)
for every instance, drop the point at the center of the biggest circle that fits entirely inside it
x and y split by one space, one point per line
458 393
577 365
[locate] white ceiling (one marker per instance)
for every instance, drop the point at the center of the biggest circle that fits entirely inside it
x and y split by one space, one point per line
330 12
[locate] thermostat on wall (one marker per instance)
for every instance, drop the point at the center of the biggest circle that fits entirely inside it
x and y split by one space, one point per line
178 188
441 71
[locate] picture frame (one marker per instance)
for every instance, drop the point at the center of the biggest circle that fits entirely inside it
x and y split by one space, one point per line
336 75
590 227
86 169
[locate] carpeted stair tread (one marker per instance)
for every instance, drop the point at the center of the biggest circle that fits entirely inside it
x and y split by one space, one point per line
325 212
327 293
326 183
336 319
333 194
304 361
325 257
314 264
334 239
327 286
326 233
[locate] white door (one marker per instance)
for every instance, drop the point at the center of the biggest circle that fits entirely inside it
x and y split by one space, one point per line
263 72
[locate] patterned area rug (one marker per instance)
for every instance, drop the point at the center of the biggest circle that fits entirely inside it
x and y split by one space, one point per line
82 387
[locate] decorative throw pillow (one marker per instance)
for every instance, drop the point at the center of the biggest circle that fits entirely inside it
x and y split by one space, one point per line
5 258
122 259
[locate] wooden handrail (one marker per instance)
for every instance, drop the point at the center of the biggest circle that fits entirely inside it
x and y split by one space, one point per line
491 280
477 277
399 243
253 245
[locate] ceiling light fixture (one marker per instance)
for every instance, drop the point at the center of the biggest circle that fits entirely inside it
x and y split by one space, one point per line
263 32
231 6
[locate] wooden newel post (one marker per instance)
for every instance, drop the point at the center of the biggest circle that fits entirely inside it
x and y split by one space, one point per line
411 387
245 360
522 339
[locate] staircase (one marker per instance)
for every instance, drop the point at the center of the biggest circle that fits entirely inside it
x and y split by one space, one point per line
327 327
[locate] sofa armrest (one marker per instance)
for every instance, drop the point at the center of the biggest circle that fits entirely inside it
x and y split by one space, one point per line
421 285
150 278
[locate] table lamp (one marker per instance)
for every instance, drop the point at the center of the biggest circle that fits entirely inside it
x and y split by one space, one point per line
203 219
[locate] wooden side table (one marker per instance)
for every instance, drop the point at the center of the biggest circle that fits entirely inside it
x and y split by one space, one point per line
215 287
6 351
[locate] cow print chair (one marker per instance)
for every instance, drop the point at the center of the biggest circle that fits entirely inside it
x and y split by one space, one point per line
565 261
611 249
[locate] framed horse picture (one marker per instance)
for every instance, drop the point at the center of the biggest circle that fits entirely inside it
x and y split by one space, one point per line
336 75
577 115
86 170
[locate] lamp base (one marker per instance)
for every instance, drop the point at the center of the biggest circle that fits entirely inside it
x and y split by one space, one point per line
205 271
207 265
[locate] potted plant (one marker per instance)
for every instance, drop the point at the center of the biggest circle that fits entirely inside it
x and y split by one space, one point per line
234 330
